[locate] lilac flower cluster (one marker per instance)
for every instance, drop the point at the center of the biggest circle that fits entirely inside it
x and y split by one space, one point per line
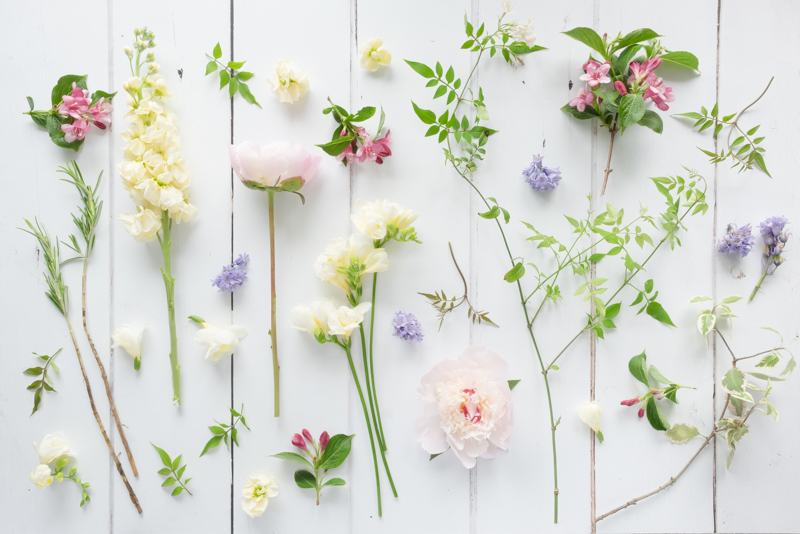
233 275
539 177
775 237
407 327
737 240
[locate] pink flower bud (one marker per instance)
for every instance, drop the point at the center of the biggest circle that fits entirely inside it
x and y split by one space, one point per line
661 397
307 435
641 412
324 438
299 442
619 86
655 392
630 402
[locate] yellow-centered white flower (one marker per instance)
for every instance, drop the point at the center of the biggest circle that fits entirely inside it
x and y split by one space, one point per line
129 338
260 488
344 320
42 476
373 218
314 318
221 342
374 55
340 252
289 82
53 448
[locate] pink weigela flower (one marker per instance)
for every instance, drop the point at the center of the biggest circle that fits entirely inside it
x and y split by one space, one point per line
619 86
101 113
596 73
75 105
584 98
76 130
658 93
640 72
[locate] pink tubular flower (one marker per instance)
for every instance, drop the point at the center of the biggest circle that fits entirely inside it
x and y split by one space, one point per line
658 93
383 147
76 130
307 435
299 442
641 72
324 438
619 86
76 104
101 113
630 402
596 73
641 412
584 98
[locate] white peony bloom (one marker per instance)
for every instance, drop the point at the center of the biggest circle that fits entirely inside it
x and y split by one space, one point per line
143 226
42 476
523 31
53 448
374 55
341 253
467 408
289 82
129 339
313 319
590 414
344 320
260 488
373 218
221 342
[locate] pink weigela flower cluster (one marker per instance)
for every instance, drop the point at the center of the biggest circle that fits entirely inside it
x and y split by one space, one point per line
79 106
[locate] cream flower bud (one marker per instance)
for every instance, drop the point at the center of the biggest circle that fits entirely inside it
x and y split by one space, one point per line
153 68
289 82
130 339
221 342
260 488
128 52
42 476
344 320
590 414
53 448
374 55
142 226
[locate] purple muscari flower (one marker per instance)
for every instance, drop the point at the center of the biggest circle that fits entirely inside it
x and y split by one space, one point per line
775 237
737 240
233 275
539 177
407 327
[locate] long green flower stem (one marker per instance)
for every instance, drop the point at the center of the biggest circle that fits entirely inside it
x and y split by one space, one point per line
273 332
758 285
379 427
169 283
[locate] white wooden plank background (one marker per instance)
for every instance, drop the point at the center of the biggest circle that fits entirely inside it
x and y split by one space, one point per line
739 44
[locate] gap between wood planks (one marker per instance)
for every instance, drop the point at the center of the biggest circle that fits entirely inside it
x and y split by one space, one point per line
232 302
111 252
354 97
714 285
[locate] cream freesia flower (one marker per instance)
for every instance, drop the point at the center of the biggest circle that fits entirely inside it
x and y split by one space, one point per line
590 414
374 218
289 82
53 448
358 250
260 488
42 476
314 318
221 342
467 407
130 339
143 225
344 320
374 55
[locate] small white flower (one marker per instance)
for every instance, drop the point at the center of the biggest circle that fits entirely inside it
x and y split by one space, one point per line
374 55
344 320
42 476
313 319
260 488
142 226
130 339
289 82
373 218
590 414
341 253
507 6
53 448
523 31
221 342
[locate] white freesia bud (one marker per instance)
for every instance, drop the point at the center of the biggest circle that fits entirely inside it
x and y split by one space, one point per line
341 253
590 414
42 476
142 226
129 339
314 318
53 448
289 82
344 320
373 218
374 55
221 342
260 488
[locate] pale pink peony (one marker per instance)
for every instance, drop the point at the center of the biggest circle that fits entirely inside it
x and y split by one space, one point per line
584 98
596 73
658 93
467 407
76 130
76 104
270 166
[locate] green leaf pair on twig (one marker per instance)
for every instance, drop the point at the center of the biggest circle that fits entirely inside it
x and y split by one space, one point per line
229 76
221 431
42 381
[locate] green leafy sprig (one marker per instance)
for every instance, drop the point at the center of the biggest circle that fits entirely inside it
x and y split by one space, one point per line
221 431
229 76
649 376
346 135
744 151
42 381
173 470
59 475
57 291
333 455
89 210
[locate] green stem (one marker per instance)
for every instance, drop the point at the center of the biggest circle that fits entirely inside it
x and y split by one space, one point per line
758 285
379 427
369 426
169 284
273 332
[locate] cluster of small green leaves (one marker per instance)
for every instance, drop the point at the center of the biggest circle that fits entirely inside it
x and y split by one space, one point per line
52 120
89 211
42 382
346 132
173 471
616 112
653 308
649 376
333 455
71 475
228 75
744 151
221 431
501 40
686 190
57 291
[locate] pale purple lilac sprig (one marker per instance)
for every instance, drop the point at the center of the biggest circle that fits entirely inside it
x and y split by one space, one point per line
233 275
737 240
539 177
773 230
407 327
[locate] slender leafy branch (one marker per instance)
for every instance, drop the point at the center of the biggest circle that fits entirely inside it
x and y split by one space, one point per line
221 431
173 470
42 382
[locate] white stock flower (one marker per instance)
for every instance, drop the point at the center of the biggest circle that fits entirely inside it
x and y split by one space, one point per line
524 31
289 82
314 318
143 226
53 448
260 488
344 320
373 218
129 339
42 476
590 414
374 55
221 342
340 252
467 408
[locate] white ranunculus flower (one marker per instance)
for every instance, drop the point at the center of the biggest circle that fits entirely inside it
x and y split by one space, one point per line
42 476
53 448
467 408
143 226
289 82
313 319
374 55
344 320
130 339
373 218
590 414
524 31
260 488
341 252
221 342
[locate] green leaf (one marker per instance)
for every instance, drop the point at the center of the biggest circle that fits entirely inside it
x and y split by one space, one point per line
588 37
450 75
33 371
244 76
589 113
637 36
681 433
169 482
734 381
613 310
760 162
731 299
648 286
335 482
334 148
336 451
217 52
654 415
233 87
216 430
64 87
652 120
638 368
165 459
211 66
423 70
176 462
177 491
770 360
224 78
293 457
684 59
433 130
656 375
631 110
513 383
657 312
244 90
236 64
180 472
164 471
492 213
305 479
363 114
706 322
516 272
213 442
428 117
30 102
